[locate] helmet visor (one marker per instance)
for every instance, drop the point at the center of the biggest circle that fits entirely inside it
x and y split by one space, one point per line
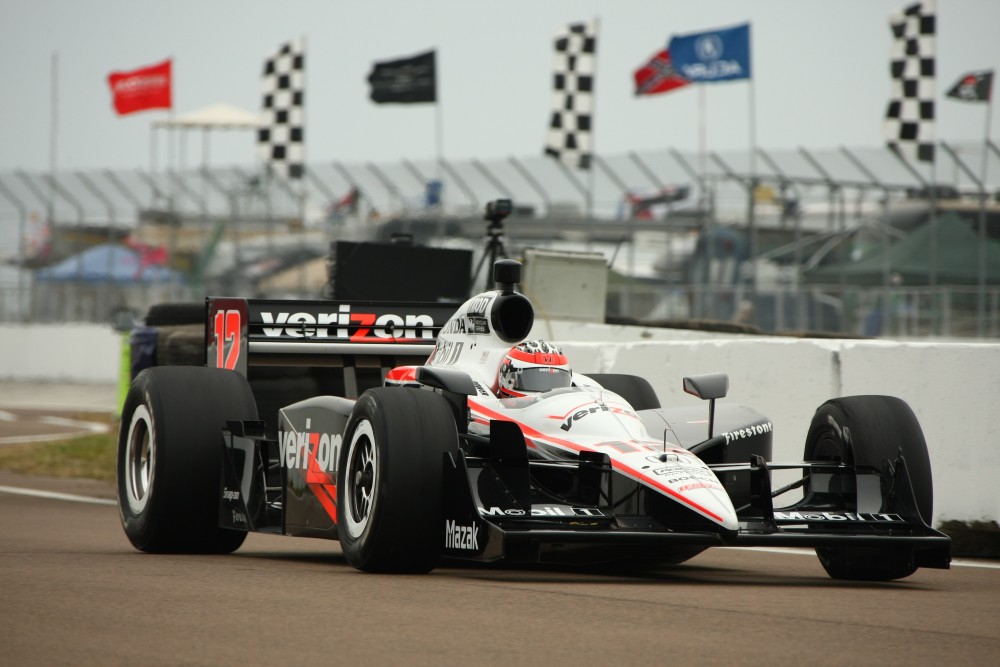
542 379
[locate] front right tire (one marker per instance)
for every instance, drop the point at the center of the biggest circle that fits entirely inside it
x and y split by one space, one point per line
871 431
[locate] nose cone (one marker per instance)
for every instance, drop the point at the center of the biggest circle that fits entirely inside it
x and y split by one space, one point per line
714 504
692 484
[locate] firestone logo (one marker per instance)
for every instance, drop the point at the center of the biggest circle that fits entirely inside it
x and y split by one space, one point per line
347 325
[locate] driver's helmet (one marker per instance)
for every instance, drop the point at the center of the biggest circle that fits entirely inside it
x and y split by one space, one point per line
533 366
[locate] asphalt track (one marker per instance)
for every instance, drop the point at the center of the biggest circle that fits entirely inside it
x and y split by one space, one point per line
74 592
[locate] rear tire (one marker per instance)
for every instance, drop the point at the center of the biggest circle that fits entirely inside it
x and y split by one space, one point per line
634 389
172 314
389 480
170 458
870 430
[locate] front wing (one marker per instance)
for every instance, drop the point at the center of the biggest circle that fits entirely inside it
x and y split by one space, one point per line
496 510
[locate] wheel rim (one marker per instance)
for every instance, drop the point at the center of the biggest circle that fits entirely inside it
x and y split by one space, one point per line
831 444
361 478
140 451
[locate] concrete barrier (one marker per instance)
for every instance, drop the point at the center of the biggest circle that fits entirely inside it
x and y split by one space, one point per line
79 353
952 387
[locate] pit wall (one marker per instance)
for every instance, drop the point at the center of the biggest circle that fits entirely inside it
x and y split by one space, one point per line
954 388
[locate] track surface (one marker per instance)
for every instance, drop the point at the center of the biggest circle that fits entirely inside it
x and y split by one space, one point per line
74 592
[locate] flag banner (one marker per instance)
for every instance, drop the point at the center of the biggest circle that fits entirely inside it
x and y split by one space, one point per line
346 205
281 136
714 55
142 89
658 76
405 80
569 135
909 119
973 87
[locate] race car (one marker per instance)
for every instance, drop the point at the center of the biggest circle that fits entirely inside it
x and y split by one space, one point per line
446 434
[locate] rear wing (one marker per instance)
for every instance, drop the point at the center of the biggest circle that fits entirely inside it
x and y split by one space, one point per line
244 334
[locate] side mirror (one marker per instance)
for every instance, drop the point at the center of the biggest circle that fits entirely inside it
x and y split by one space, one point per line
709 387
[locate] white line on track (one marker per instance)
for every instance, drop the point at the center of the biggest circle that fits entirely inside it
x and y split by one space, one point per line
774 550
93 427
56 496
88 428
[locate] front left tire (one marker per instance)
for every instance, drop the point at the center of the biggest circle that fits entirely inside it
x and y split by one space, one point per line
170 457
390 480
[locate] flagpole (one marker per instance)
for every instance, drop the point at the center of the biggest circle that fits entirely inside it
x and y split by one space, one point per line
54 127
702 131
708 228
593 134
438 120
981 324
753 177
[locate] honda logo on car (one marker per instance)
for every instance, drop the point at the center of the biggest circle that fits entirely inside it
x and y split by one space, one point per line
458 536
347 325
297 449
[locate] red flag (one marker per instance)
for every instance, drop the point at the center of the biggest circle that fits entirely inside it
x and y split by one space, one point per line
149 255
141 89
658 76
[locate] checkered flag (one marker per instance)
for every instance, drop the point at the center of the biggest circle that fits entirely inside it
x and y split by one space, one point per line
280 139
909 120
569 132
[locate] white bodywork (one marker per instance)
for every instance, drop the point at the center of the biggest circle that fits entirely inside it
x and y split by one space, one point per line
561 423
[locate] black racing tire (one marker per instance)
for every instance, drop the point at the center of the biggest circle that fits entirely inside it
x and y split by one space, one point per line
390 480
170 457
870 430
172 314
181 345
633 388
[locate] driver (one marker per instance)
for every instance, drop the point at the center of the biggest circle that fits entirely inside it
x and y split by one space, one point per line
533 366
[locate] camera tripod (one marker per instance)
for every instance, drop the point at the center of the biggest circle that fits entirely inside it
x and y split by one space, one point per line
496 211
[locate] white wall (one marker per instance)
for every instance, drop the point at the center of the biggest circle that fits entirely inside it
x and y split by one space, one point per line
954 388
84 353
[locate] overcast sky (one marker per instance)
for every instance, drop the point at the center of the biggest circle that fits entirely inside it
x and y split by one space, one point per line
820 74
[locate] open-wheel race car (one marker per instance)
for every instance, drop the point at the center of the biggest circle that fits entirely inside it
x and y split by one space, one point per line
425 434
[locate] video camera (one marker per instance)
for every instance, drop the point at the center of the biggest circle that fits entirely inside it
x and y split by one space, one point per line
497 210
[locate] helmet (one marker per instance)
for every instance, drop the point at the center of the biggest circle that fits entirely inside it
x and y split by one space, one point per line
533 366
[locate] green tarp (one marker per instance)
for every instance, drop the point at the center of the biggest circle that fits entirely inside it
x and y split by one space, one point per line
957 259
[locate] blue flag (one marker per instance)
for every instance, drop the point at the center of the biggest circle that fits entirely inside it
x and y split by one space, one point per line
716 55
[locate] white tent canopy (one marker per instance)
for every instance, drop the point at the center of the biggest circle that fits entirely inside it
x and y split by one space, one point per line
214 116
219 116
